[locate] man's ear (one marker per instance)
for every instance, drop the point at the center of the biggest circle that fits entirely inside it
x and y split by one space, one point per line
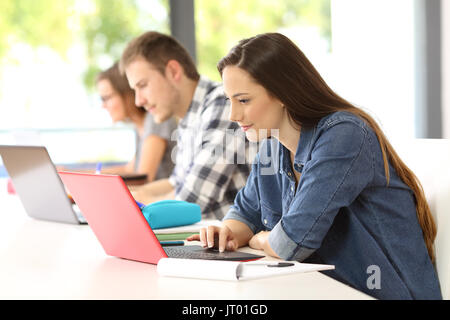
174 70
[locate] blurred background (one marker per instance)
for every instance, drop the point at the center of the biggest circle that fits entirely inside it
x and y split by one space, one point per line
390 57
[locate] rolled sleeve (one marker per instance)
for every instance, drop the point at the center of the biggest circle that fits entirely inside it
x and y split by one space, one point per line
285 247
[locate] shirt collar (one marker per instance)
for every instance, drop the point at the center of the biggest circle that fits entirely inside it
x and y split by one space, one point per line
304 145
200 92
301 155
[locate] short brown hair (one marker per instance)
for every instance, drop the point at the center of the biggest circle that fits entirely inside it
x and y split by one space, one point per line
158 49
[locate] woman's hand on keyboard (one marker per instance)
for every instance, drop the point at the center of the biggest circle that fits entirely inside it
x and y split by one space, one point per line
214 236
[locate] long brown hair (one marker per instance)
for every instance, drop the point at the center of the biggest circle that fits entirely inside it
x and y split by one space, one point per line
277 64
120 84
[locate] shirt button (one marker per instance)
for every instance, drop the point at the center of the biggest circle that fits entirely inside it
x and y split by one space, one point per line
265 221
292 189
289 174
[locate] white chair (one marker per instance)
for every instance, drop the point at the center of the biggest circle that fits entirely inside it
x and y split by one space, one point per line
429 159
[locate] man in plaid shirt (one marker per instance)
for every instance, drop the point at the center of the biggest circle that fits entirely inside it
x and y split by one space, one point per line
212 154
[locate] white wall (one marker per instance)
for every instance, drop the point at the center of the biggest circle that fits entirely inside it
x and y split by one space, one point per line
373 60
445 36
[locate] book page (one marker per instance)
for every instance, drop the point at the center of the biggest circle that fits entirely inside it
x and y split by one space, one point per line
231 270
260 269
199 269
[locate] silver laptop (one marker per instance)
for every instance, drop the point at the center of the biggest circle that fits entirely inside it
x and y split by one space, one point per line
38 184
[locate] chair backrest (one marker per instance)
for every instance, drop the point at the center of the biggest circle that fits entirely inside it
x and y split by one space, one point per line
429 159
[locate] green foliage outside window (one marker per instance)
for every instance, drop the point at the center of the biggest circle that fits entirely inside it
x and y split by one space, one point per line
221 24
104 27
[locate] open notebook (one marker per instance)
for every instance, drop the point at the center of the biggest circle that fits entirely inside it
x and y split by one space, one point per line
233 270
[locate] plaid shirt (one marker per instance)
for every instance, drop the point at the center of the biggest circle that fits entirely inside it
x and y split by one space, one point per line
211 153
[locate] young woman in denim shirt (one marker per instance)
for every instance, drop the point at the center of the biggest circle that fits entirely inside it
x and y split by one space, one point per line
327 187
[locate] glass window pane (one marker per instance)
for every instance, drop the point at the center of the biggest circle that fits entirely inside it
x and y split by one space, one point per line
50 53
221 24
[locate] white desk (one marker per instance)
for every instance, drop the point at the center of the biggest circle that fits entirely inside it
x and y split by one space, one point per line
48 260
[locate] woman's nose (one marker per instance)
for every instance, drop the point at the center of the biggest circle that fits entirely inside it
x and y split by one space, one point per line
235 113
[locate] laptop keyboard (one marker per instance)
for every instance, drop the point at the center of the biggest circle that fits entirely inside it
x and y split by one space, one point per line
198 252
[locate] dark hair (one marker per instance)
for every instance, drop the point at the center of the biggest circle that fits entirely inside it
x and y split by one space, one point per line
118 81
158 49
277 64
120 84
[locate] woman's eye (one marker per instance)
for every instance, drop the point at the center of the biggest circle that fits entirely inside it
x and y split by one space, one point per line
244 101
141 85
106 98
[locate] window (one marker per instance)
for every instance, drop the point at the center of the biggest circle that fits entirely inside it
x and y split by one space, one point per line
373 60
221 24
364 49
50 53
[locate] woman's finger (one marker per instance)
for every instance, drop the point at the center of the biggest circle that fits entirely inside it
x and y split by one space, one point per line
225 235
210 236
203 237
231 245
222 239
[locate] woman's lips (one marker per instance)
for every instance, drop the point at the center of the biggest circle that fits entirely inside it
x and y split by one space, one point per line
245 128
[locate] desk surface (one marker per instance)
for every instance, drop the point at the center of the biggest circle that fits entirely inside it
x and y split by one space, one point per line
48 260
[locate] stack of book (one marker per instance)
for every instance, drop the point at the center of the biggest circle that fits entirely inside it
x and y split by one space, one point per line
181 233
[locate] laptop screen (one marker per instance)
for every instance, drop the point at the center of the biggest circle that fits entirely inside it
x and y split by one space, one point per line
114 216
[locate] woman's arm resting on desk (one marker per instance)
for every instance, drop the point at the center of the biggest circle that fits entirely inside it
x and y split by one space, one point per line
230 236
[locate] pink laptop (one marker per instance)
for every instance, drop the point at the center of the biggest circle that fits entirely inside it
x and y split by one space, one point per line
120 226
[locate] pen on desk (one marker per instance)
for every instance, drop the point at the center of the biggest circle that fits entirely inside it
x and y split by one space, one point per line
281 265
98 168
271 265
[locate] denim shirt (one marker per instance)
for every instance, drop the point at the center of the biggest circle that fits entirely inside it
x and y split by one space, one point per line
342 212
